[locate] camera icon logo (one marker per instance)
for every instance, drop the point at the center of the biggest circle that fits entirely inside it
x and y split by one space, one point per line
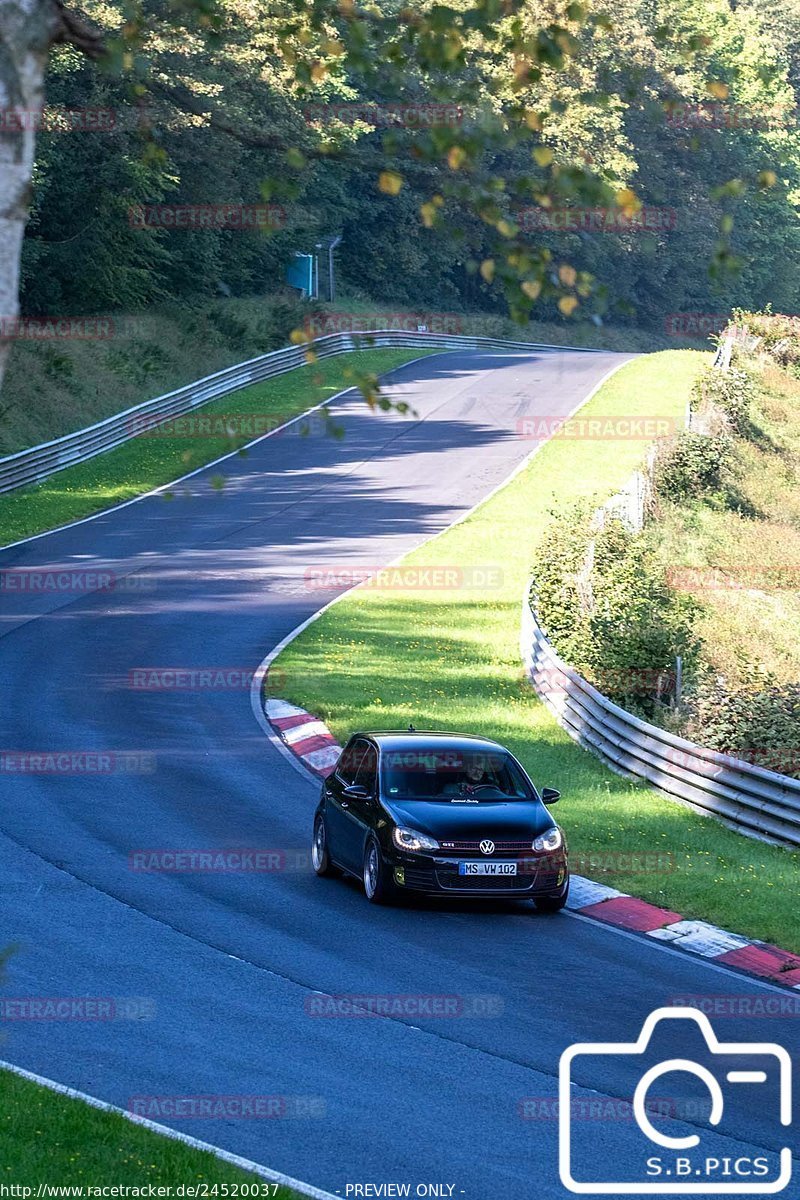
681 1165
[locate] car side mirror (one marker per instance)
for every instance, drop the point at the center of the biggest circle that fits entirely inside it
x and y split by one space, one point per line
550 795
356 791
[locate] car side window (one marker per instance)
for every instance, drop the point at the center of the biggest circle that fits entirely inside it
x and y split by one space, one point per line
349 762
367 775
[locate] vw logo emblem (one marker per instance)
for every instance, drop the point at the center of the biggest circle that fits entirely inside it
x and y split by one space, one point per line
487 847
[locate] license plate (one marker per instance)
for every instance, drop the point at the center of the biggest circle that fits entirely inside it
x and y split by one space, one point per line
487 868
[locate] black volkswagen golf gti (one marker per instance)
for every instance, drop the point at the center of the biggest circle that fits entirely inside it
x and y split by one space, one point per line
439 813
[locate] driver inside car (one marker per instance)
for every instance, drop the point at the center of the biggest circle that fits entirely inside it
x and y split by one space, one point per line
474 776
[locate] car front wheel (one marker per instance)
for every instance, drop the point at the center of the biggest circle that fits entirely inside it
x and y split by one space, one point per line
320 859
378 884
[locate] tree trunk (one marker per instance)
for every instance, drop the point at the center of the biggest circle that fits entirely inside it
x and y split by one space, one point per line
27 29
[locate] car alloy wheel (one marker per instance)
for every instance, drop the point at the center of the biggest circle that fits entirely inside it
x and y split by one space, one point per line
377 887
320 859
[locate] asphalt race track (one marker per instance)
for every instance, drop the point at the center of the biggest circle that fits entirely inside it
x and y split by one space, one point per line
226 966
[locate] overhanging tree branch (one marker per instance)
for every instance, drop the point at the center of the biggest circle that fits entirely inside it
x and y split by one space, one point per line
74 29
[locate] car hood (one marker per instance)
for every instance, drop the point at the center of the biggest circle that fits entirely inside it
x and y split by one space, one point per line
501 820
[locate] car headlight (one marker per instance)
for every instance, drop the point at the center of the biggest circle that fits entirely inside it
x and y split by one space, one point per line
552 840
409 839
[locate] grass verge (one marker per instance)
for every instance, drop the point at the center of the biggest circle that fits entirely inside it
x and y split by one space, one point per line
747 544
450 660
47 1138
148 461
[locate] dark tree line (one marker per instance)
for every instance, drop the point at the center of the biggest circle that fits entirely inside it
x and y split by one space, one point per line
662 135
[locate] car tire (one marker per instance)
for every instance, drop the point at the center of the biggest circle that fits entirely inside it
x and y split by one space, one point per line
551 904
320 859
379 887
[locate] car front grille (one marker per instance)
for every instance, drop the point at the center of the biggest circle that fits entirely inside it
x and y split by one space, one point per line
461 848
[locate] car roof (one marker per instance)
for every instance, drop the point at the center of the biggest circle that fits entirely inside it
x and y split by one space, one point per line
396 739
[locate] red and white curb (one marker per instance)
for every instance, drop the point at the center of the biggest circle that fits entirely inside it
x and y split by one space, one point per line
606 904
313 743
308 738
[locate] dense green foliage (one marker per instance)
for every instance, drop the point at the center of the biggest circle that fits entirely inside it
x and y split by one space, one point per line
757 721
731 392
605 601
713 577
692 465
686 109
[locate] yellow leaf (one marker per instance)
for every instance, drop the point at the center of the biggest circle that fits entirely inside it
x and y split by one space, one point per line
298 336
567 305
455 157
390 182
428 214
718 90
318 72
532 119
505 228
531 288
628 201
567 275
767 179
543 155
487 269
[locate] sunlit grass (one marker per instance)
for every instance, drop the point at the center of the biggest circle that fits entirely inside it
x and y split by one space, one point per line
451 661
53 1139
147 461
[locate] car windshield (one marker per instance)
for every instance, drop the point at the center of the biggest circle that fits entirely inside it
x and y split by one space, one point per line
461 776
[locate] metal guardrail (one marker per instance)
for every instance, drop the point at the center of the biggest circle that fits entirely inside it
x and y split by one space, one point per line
750 798
37 463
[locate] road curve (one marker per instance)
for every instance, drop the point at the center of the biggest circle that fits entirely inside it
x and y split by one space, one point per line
229 964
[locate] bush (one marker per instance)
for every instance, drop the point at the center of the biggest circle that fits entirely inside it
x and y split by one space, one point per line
759 723
779 335
605 603
139 361
731 391
693 465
